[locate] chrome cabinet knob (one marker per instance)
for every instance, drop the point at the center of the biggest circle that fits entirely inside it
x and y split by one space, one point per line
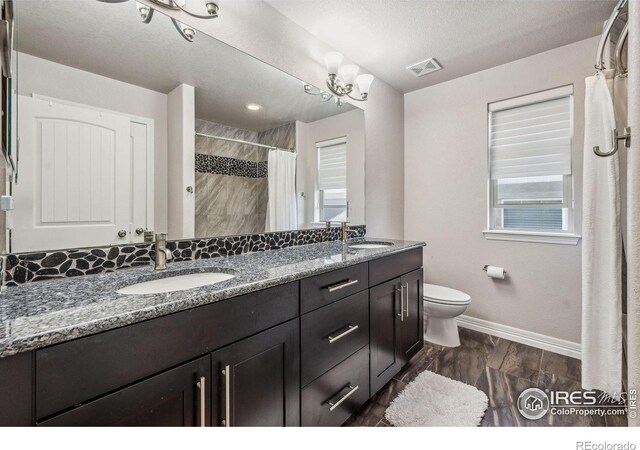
122 233
139 231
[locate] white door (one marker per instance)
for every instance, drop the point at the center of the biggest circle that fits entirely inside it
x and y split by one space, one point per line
74 177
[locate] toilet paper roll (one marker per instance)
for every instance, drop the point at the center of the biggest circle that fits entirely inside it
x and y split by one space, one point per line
495 272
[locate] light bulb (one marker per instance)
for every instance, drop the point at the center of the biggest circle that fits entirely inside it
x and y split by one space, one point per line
364 83
333 60
348 73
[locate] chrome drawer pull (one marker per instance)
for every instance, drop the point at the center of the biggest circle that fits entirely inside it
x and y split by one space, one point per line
401 314
203 400
227 394
350 329
407 310
333 406
337 287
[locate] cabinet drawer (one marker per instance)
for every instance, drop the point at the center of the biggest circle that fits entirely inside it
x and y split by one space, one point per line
390 267
76 371
336 395
331 334
331 286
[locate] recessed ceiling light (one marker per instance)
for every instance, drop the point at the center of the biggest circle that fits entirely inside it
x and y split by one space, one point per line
253 107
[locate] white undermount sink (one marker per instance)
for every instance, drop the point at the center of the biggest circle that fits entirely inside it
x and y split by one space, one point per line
370 245
176 283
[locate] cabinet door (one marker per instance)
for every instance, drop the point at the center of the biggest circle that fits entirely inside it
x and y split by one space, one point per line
410 339
384 309
257 380
173 398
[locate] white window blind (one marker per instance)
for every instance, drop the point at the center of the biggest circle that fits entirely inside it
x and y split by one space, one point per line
332 167
532 140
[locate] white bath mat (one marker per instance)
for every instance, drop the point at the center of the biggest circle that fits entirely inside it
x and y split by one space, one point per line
432 400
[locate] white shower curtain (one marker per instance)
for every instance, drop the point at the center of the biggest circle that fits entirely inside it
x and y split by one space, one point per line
601 244
281 207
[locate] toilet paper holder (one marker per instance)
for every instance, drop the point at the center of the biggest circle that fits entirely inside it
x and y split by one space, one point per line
487 265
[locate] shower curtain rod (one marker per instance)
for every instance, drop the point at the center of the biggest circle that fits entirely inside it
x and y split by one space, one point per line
240 141
607 31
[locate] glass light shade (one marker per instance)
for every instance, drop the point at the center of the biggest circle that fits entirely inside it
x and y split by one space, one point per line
180 2
333 60
364 83
348 73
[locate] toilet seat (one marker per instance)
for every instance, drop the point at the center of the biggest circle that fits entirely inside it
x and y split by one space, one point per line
444 295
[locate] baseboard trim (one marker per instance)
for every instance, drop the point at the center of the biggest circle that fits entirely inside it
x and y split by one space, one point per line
537 340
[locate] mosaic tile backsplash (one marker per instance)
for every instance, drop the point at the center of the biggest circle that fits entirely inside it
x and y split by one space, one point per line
23 268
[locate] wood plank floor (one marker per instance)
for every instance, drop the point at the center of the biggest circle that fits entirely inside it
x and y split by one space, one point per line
501 369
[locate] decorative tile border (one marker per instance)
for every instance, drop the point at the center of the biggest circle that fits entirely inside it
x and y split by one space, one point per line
223 165
23 268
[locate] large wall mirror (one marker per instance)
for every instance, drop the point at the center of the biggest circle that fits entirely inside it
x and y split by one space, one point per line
124 127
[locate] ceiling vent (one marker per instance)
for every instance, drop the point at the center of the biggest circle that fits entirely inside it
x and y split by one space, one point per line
424 67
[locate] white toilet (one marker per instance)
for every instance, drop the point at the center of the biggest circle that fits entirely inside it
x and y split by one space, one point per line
441 307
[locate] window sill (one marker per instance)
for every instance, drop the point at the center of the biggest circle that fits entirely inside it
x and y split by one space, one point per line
532 236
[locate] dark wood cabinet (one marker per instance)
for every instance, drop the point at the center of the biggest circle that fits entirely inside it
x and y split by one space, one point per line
396 310
333 333
411 332
177 397
16 390
87 368
335 396
306 352
384 308
256 382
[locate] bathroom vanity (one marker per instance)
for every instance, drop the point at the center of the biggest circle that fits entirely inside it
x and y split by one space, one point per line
300 336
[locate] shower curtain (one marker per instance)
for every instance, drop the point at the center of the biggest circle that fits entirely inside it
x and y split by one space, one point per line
281 206
601 244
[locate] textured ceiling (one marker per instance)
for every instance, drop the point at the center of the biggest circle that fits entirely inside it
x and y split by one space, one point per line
465 36
110 40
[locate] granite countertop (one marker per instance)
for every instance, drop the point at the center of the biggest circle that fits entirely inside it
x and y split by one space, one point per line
43 313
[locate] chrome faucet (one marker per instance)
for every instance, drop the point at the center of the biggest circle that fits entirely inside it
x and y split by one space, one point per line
163 254
345 231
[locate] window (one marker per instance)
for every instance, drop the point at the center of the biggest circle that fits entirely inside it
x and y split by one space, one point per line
530 183
332 180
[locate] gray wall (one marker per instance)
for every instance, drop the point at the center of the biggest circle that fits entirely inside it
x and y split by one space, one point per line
446 195
259 30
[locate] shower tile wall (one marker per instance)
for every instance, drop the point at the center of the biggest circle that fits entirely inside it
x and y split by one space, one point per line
233 201
283 136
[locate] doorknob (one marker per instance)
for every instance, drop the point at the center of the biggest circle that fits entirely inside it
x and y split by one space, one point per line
122 233
139 231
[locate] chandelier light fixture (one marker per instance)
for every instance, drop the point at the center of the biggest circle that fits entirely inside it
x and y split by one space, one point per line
342 78
342 81
211 8
146 13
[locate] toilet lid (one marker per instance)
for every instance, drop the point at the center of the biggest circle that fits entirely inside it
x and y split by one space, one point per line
441 294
